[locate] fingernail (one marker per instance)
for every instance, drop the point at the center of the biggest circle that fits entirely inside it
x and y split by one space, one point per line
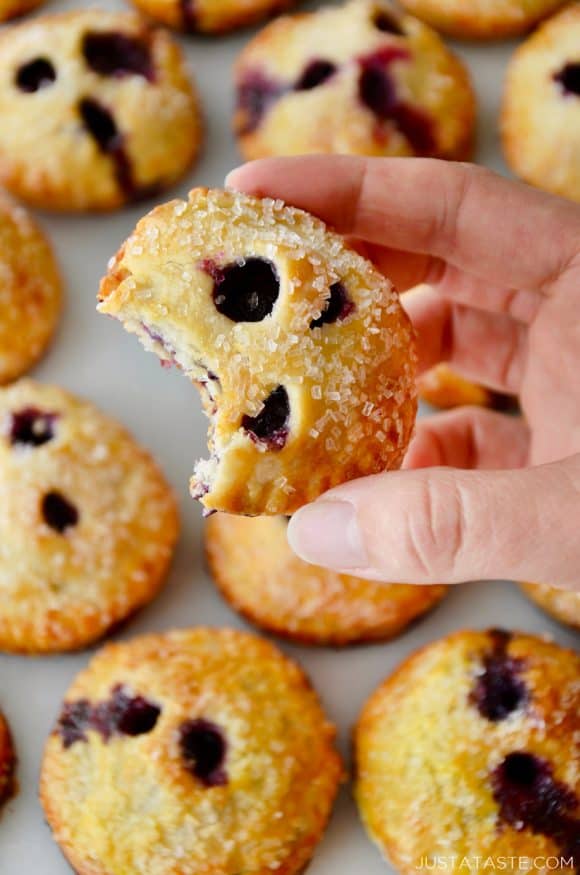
327 533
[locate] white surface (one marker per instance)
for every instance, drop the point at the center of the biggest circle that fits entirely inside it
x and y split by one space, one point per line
93 356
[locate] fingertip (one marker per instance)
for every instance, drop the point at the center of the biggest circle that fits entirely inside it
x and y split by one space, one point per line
327 533
239 178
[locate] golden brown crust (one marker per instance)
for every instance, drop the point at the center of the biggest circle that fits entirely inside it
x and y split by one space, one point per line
68 580
30 293
443 387
16 8
482 19
262 579
562 604
48 155
7 762
211 16
540 122
350 383
427 752
276 115
278 776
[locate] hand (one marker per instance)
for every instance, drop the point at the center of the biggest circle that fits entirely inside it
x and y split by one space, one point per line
503 264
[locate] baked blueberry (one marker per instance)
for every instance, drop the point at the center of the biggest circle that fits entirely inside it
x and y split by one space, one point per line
35 75
203 747
58 512
270 426
116 54
247 290
31 427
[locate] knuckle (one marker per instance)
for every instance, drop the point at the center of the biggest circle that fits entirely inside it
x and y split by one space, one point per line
436 529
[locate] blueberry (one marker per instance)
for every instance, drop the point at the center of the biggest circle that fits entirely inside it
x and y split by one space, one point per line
203 748
73 722
314 74
100 124
58 512
35 75
255 95
270 426
188 15
246 290
115 54
387 23
569 79
338 307
499 690
530 797
377 92
123 714
120 714
32 427
416 127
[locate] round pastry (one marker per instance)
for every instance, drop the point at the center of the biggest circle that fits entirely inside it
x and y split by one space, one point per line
196 751
16 8
78 552
30 291
468 750
262 578
562 604
210 16
384 84
441 386
302 350
541 108
482 19
7 762
97 110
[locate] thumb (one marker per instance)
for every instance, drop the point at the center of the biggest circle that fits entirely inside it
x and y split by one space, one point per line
444 525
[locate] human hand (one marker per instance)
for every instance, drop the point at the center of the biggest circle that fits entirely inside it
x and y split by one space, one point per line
503 264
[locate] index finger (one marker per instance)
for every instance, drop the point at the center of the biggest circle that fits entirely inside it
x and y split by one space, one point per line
466 215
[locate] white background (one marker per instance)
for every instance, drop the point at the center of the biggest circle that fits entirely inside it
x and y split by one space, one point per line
94 357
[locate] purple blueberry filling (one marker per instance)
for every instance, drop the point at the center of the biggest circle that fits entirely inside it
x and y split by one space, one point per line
314 74
35 75
337 308
124 715
101 126
121 714
569 79
114 54
529 797
270 426
58 512
73 722
255 95
188 15
203 747
378 93
31 427
387 23
499 690
246 290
